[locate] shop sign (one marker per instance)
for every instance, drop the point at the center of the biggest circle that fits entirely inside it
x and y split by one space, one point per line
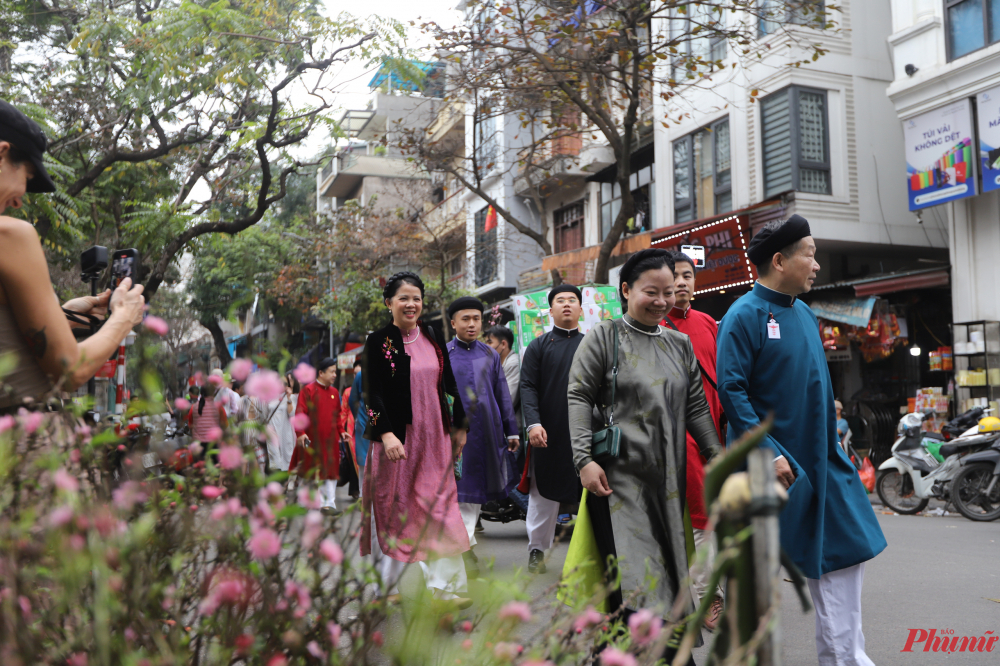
988 113
853 311
725 242
939 155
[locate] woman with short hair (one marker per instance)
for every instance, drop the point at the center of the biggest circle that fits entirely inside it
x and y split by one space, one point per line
659 397
409 485
32 324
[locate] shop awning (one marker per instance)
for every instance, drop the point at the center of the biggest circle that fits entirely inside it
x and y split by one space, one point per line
345 361
853 311
890 283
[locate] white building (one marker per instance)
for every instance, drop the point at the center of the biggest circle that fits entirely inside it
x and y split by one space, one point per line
946 56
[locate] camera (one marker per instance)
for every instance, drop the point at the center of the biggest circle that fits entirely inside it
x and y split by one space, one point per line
124 264
93 262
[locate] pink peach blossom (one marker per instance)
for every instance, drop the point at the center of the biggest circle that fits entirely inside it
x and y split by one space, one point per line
587 619
77 659
300 422
6 423
212 492
213 434
264 544
315 650
240 369
230 457
156 325
331 550
263 513
334 630
535 662
272 491
644 627
507 651
216 380
182 404
31 421
266 385
516 610
309 498
74 456
65 481
61 516
614 657
304 374
278 660
128 495
312 529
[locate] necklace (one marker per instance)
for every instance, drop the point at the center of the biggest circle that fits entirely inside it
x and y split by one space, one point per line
410 342
635 328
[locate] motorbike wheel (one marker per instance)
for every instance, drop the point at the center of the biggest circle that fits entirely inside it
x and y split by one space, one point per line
968 493
896 492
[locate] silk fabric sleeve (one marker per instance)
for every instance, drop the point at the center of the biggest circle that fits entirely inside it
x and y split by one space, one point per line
458 419
379 420
502 395
699 417
302 407
530 366
737 353
586 377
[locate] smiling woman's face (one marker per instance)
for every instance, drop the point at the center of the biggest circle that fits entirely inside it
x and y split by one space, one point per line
13 179
650 296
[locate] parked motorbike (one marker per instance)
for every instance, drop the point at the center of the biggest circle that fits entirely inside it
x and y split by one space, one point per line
913 475
975 491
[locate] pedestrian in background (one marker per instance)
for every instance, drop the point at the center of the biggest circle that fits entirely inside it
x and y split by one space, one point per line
357 405
658 399
207 414
316 457
348 458
704 333
280 447
488 472
410 489
772 362
551 476
226 395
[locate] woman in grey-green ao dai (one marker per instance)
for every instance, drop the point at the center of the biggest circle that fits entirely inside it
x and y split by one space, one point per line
636 501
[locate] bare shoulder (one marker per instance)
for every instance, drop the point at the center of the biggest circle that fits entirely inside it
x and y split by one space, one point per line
17 231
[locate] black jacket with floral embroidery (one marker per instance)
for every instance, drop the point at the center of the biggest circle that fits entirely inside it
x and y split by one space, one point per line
385 372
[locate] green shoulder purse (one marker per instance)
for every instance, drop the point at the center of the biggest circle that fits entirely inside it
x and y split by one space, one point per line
606 443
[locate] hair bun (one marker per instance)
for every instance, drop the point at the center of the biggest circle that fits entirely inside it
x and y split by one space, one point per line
388 290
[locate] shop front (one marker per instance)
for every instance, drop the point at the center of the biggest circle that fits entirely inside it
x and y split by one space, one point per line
889 351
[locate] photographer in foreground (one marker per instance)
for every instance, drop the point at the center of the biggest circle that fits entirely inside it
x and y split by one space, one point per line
32 324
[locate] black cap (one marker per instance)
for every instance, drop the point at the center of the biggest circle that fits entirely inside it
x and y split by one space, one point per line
773 238
465 303
565 287
326 363
24 133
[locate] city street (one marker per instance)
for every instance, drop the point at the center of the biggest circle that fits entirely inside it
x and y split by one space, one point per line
937 573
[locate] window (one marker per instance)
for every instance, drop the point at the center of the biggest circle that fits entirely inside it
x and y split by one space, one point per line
703 183
795 141
799 12
486 246
708 48
642 195
486 142
971 25
569 228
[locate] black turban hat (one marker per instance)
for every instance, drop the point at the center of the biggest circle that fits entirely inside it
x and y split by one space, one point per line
565 288
773 239
465 303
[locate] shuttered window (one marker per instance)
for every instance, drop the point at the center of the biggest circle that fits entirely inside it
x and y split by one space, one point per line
569 228
795 139
486 247
703 173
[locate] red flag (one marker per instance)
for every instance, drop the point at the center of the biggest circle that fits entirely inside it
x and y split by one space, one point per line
491 220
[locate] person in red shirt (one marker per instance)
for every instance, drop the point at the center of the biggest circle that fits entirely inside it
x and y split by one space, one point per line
317 448
703 331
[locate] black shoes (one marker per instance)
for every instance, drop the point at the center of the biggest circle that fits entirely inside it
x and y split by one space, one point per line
471 564
479 526
536 562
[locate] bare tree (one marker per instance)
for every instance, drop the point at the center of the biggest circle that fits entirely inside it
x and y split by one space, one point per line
575 74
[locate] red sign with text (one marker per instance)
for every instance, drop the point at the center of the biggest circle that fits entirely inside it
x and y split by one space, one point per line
725 242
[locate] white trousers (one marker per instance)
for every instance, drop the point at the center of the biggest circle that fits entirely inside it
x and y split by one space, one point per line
542 517
470 516
837 598
328 493
700 576
446 576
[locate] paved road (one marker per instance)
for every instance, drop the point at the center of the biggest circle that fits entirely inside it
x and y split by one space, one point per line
938 572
